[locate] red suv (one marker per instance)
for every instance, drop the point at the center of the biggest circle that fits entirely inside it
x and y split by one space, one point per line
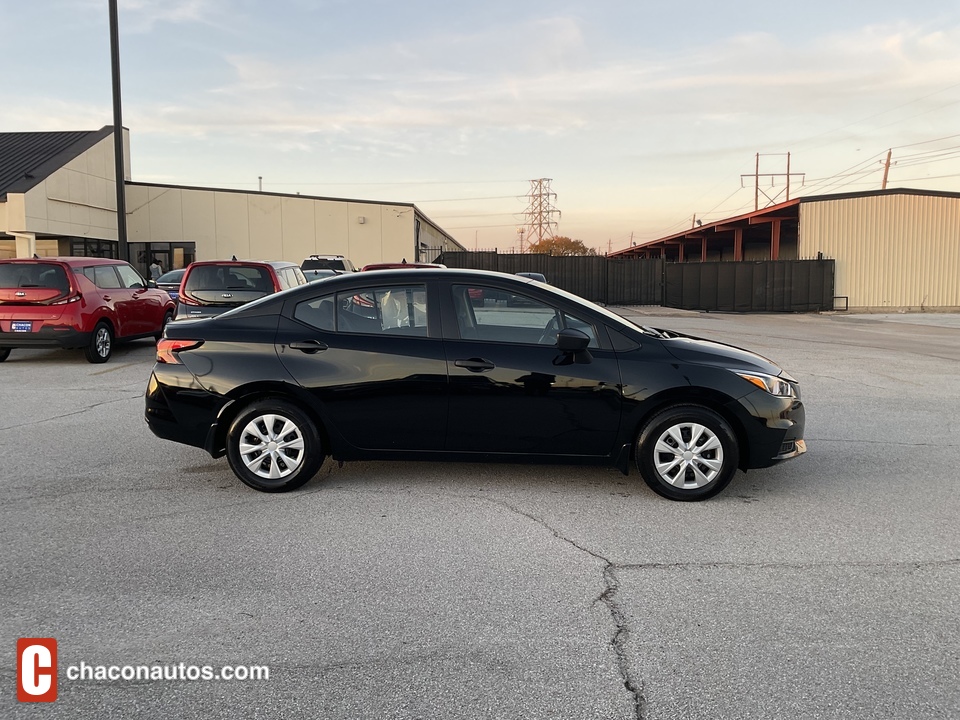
77 302
210 287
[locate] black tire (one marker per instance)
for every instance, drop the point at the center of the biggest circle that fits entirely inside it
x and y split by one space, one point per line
100 347
697 457
266 419
4 353
166 318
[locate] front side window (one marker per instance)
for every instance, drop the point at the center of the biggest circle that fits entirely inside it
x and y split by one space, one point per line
130 277
513 318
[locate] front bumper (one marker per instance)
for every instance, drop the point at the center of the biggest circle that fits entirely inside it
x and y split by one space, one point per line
773 427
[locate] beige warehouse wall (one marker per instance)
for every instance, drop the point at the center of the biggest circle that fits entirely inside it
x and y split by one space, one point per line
274 227
77 200
892 251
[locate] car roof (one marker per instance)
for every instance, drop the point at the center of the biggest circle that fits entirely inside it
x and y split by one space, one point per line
72 261
240 263
399 266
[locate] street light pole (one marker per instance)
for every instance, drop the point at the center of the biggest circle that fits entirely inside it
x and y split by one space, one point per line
122 248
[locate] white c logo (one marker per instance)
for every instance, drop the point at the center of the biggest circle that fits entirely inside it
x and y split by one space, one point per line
35 683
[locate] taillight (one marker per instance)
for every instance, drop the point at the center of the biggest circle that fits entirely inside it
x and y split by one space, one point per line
167 350
186 299
67 300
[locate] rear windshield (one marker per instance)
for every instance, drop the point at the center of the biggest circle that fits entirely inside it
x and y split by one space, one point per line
231 277
326 264
34 275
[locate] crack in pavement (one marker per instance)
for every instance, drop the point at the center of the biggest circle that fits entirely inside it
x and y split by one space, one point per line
70 414
618 642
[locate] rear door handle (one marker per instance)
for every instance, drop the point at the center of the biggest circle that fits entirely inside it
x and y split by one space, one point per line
308 346
475 364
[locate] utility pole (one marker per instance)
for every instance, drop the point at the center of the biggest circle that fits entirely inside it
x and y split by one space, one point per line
540 211
772 199
123 249
886 169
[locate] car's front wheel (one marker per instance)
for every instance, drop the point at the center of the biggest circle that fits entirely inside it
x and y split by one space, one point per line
100 347
273 446
687 452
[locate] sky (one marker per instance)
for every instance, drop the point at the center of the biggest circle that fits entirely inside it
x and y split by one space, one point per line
643 115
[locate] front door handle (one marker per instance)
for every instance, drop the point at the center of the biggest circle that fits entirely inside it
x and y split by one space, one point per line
475 364
308 346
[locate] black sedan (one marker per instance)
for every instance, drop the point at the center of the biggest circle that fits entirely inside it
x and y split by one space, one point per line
282 382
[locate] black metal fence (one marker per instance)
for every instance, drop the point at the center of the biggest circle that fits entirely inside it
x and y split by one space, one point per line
595 278
761 286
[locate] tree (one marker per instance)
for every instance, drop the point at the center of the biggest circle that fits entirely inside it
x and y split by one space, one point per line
561 246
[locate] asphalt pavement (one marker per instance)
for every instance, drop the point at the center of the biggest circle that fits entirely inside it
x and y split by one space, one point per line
825 587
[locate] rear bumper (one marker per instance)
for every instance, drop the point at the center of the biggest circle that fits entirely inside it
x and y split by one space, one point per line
176 408
56 336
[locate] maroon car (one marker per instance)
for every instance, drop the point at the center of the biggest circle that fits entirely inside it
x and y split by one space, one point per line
77 302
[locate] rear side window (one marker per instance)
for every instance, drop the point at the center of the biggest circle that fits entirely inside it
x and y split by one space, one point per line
104 276
400 310
34 275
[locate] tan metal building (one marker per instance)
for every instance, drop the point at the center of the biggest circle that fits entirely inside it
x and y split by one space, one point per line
58 197
896 249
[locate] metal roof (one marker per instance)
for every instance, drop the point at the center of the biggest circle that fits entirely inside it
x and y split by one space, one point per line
27 158
785 211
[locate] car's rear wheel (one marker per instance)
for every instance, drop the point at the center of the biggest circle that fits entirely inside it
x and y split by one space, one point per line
273 446
166 318
4 353
100 347
687 452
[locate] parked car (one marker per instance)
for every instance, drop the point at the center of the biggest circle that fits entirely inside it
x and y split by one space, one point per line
399 266
515 300
338 263
77 302
170 281
279 384
209 287
319 274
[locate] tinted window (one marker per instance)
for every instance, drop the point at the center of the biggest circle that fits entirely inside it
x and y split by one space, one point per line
229 277
522 319
33 275
399 310
318 313
325 264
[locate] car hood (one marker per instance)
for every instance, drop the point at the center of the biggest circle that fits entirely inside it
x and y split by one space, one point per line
689 348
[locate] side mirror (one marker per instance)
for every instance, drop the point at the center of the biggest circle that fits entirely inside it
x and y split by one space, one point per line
151 283
571 340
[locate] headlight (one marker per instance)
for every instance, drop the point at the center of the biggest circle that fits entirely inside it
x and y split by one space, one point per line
773 385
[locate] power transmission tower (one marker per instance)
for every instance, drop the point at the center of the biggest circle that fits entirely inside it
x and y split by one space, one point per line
772 199
539 213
